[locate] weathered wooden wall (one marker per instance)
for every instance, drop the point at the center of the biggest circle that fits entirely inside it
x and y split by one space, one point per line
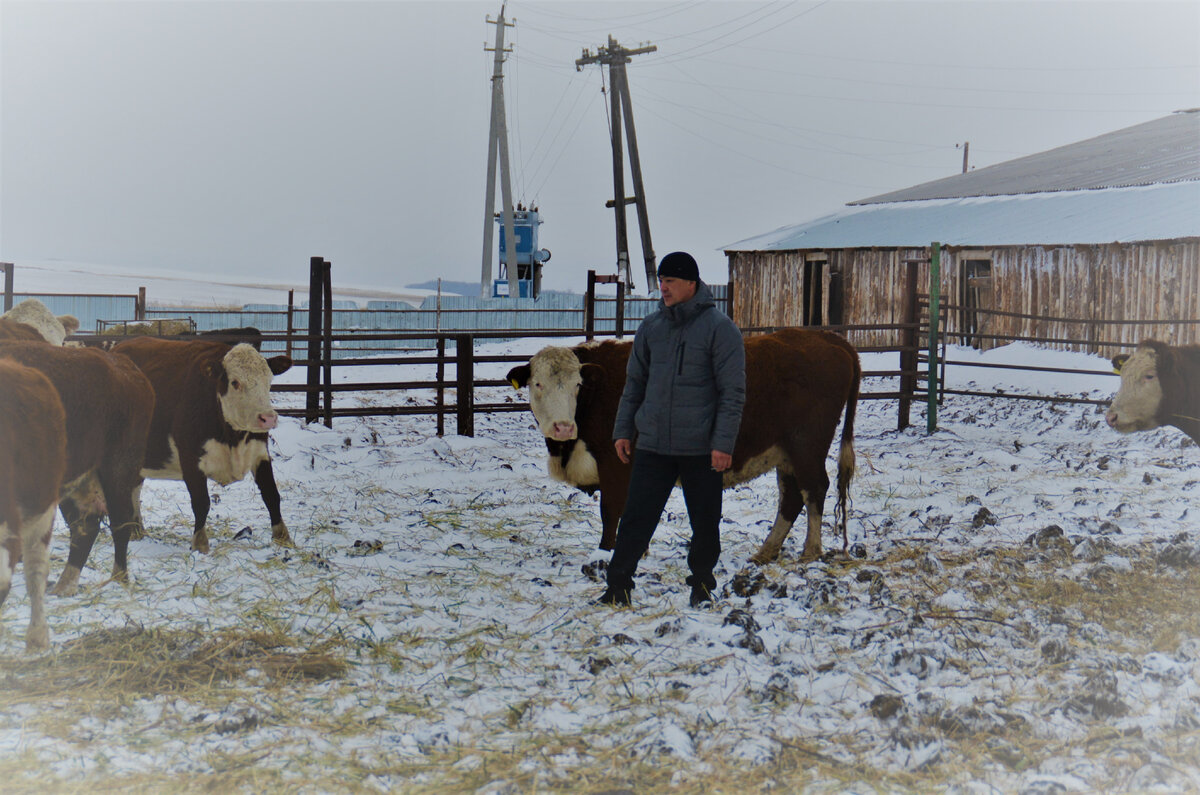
1134 281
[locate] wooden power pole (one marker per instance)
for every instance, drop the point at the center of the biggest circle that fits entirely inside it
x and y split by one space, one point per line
498 146
614 56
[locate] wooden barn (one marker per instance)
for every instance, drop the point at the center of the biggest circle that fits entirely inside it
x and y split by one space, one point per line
1106 228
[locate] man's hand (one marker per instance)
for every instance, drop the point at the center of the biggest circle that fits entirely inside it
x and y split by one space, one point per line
720 461
623 447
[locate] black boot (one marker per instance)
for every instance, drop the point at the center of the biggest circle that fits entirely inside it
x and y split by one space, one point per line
616 597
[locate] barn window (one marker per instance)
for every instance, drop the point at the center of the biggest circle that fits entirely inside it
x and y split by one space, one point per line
975 294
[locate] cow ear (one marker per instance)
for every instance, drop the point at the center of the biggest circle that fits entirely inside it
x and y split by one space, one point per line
519 376
215 371
1119 361
592 374
279 364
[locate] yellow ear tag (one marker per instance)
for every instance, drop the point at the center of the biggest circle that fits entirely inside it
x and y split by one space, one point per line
516 386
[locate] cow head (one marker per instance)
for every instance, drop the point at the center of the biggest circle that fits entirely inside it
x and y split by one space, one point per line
554 377
1137 402
243 379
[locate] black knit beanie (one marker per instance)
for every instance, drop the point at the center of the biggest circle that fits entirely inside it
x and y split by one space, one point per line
679 265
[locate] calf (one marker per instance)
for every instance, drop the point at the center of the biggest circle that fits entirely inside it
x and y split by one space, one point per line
797 384
211 418
34 314
108 404
1160 385
33 459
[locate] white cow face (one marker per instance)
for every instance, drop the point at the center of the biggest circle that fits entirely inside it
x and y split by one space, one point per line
244 388
1136 405
554 377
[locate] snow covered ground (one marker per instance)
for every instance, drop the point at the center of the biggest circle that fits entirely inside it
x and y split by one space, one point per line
1017 615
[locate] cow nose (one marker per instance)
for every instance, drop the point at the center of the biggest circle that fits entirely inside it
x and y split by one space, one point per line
564 430
268 420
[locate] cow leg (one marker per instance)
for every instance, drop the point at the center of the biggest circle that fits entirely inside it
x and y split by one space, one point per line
614 493
84 527
122 519
264 476
10 553
790 503
813 483
197 486
35 541
138 531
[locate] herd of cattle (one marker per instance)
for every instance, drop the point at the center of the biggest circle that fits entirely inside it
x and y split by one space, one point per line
82 427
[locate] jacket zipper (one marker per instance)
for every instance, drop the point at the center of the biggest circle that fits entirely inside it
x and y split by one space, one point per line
682 348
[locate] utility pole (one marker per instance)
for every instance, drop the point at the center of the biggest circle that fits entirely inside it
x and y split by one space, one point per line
966 147
621 106
498 146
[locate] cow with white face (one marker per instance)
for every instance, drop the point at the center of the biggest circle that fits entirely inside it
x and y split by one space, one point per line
798 383
211 417
1160 385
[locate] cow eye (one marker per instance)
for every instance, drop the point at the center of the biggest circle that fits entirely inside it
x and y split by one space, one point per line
236 384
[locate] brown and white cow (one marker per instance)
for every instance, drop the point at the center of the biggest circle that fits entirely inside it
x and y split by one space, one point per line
797 384
1160 385
108 404
33 459
33 314
211 417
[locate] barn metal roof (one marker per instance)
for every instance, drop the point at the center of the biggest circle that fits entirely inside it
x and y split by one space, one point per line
1162 150
1154 212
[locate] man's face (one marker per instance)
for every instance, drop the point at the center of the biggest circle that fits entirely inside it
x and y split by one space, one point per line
675 291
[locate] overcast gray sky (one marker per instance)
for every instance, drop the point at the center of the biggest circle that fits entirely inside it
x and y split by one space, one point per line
242 138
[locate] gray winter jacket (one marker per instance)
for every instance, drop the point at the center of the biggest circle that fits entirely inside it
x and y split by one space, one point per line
685 383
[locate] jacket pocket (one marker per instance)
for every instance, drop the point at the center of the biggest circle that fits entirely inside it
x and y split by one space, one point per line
682 351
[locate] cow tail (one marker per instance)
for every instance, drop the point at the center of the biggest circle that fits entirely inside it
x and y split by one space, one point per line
846 463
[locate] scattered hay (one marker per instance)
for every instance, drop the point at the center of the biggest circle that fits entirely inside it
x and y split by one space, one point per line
139 661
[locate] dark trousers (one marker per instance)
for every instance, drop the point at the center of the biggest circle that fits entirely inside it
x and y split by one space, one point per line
650 485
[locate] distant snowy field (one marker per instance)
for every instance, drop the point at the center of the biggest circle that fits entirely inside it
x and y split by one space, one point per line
985 643
175 288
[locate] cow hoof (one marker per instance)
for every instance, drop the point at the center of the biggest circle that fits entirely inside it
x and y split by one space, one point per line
37 640
200 545
279 535
761 558
68 582
121 576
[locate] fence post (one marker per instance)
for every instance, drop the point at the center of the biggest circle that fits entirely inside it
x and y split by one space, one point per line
291 325
908 346
464 377
7 267
327 339
312 349
620 319
441 392
935 299
139 311
589 307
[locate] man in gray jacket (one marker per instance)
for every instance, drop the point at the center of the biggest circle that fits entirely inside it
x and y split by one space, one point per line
685 386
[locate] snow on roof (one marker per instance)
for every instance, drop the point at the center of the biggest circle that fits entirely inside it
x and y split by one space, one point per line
1136 184
1162 150
1154 212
